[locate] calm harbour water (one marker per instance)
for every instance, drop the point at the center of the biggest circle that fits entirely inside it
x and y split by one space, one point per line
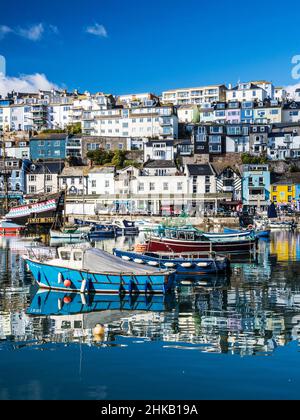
235 338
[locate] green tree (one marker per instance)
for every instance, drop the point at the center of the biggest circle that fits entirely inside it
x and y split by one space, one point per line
74 128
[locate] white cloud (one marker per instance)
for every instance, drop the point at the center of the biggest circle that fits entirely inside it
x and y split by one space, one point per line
25 83
98 30
33 33
4 30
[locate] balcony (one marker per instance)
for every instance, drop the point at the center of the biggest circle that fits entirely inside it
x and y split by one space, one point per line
165 122
228 189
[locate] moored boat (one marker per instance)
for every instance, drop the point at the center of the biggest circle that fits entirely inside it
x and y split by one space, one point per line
190 239
125 227
184 263
9 228
259 233
74 232
94 271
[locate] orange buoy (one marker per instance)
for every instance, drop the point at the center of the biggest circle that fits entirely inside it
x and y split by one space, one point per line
67 300
67 283
140 248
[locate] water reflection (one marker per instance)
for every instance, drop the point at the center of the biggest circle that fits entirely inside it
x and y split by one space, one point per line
257 312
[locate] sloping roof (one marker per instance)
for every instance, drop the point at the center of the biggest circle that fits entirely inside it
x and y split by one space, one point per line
49 136
200 170
102 170
219 167
166 142
291 105
46 168
160 164
75 171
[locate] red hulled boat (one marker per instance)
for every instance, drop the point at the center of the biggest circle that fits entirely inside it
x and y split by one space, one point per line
192 240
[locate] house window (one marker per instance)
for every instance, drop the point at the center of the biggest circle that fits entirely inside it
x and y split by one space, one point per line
166 186
152 186
141 187
48 189
32 178
94 184
290 189
48 177
106 184
32 189
207 189
275 198
290 198
274 189
179 186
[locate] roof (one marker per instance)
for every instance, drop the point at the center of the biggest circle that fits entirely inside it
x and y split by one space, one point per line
271 135
50 136
219 167
292 105
200 170
160 164
75 171
46 168
167 142
102 170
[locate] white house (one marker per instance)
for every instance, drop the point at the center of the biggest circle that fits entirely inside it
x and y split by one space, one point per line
246 92
101 181
74 180
159 150
196 96
283 146
43 178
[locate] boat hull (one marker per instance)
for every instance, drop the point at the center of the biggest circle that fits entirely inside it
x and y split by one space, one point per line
183 266
175 245
54 277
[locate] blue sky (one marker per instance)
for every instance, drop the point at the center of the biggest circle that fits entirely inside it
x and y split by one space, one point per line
124 46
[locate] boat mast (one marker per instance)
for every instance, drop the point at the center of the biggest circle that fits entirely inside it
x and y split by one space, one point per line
5 175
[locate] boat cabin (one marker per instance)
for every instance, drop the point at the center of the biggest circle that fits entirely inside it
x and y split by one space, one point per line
185 234
71 256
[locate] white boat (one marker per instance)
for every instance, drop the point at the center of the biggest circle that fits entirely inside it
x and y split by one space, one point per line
282 225
145 225
70 233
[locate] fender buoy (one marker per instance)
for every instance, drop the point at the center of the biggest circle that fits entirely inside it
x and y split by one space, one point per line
60 278
250 227
67 300
67 283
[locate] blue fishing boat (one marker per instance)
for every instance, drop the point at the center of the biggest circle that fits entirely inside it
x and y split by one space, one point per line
49 302
125 227
187 264
259 233
94 271
97 230
101 232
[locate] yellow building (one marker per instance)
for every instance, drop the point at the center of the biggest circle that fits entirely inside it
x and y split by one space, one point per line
283 193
